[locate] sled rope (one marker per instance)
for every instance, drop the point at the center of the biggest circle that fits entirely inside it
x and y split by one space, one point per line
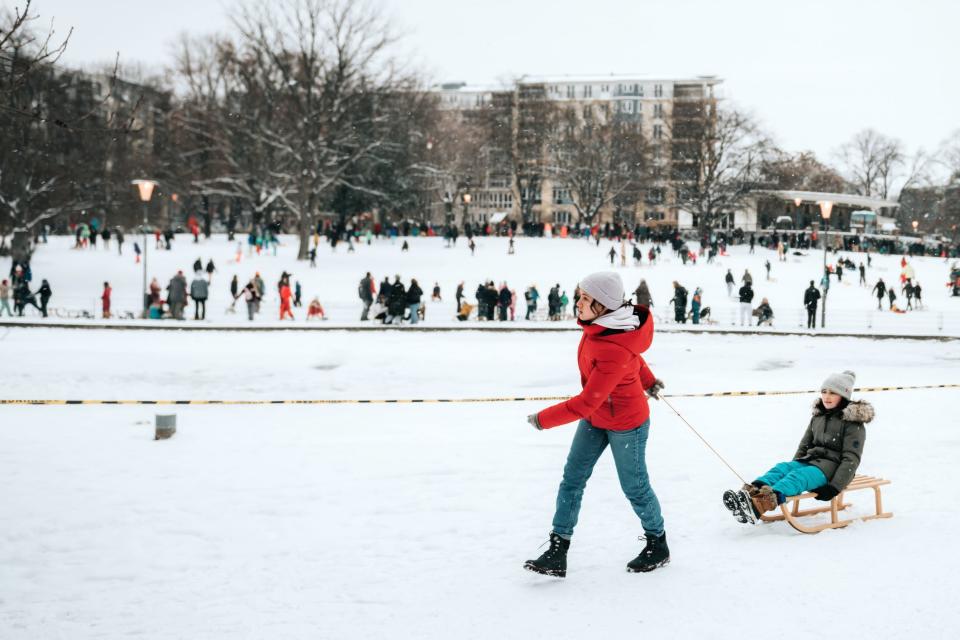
308 401
709 446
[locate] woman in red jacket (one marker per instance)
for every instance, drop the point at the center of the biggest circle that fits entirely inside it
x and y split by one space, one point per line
612 410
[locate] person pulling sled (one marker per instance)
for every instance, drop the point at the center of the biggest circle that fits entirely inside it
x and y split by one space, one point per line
612 410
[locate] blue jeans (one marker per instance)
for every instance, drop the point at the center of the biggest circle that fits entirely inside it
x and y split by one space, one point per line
793 478
628 449
414 313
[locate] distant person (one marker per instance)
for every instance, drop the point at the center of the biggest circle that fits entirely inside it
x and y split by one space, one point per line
105 300
177 295
199 293
45 292
5 298
730 282
365 292
880 289
746 308
811 298
642 294
679 301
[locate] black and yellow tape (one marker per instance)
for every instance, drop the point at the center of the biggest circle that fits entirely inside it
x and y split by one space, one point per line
713 394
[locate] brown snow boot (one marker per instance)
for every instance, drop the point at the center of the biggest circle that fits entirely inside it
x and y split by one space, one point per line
764 499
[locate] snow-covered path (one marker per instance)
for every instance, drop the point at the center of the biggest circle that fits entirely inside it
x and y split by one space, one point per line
414 520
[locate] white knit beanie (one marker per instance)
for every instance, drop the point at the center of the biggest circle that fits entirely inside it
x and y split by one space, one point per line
840 383
605 287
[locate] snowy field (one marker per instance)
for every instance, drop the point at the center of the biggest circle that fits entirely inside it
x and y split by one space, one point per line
77 276
413 521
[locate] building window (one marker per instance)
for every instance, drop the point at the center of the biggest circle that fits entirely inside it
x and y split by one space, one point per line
658 110
658 91
571 91
587 91
628 106
605 88
657 132
561 217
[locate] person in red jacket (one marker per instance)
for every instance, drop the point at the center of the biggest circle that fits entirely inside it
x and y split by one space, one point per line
105 299
285 309
612 410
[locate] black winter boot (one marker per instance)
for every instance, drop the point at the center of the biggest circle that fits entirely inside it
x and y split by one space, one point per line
654 555
553 562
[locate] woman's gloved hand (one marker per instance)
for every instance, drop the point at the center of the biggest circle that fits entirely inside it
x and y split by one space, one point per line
655 389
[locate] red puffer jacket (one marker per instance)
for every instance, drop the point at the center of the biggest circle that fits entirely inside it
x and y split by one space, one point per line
614 378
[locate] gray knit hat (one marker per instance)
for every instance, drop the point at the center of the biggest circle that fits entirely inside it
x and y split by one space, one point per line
605 287
840 383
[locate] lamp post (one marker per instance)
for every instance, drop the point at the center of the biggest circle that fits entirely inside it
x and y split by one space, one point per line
826 207
145 189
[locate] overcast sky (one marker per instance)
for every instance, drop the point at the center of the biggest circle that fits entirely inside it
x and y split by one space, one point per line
814 72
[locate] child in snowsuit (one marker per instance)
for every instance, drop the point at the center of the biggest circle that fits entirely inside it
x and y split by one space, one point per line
315 310
826 460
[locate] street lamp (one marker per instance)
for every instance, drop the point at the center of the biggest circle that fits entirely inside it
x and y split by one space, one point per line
145 189
826 207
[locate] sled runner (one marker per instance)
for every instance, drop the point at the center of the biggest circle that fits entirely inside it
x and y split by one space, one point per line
793 514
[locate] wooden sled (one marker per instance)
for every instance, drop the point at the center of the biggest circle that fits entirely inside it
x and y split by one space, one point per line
793 514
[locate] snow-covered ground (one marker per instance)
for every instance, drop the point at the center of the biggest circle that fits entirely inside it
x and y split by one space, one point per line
77 279
413 521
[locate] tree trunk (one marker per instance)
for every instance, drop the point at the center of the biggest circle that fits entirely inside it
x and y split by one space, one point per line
306 230
20 249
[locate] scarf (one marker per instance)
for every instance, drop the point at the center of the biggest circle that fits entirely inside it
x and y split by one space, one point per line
622 319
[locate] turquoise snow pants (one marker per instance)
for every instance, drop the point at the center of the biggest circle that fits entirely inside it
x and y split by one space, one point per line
792 478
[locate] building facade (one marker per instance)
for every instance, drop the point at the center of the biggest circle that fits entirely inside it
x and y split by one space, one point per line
650 103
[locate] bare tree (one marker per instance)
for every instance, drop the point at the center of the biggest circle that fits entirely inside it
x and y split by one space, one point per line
324 65
23 50
458 158
599 156
219 124
873 162
801 172
718 156
520 122
948 155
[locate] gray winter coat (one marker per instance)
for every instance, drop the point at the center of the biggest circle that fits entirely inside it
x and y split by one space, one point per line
642 295
198 289
834 443
177 290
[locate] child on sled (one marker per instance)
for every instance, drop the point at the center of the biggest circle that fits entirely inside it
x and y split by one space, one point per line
826 460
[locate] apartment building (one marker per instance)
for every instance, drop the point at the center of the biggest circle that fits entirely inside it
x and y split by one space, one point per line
656 104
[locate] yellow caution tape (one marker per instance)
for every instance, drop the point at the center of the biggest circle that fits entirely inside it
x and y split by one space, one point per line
714 394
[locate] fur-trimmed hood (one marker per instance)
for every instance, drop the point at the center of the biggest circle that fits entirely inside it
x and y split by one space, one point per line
857 411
